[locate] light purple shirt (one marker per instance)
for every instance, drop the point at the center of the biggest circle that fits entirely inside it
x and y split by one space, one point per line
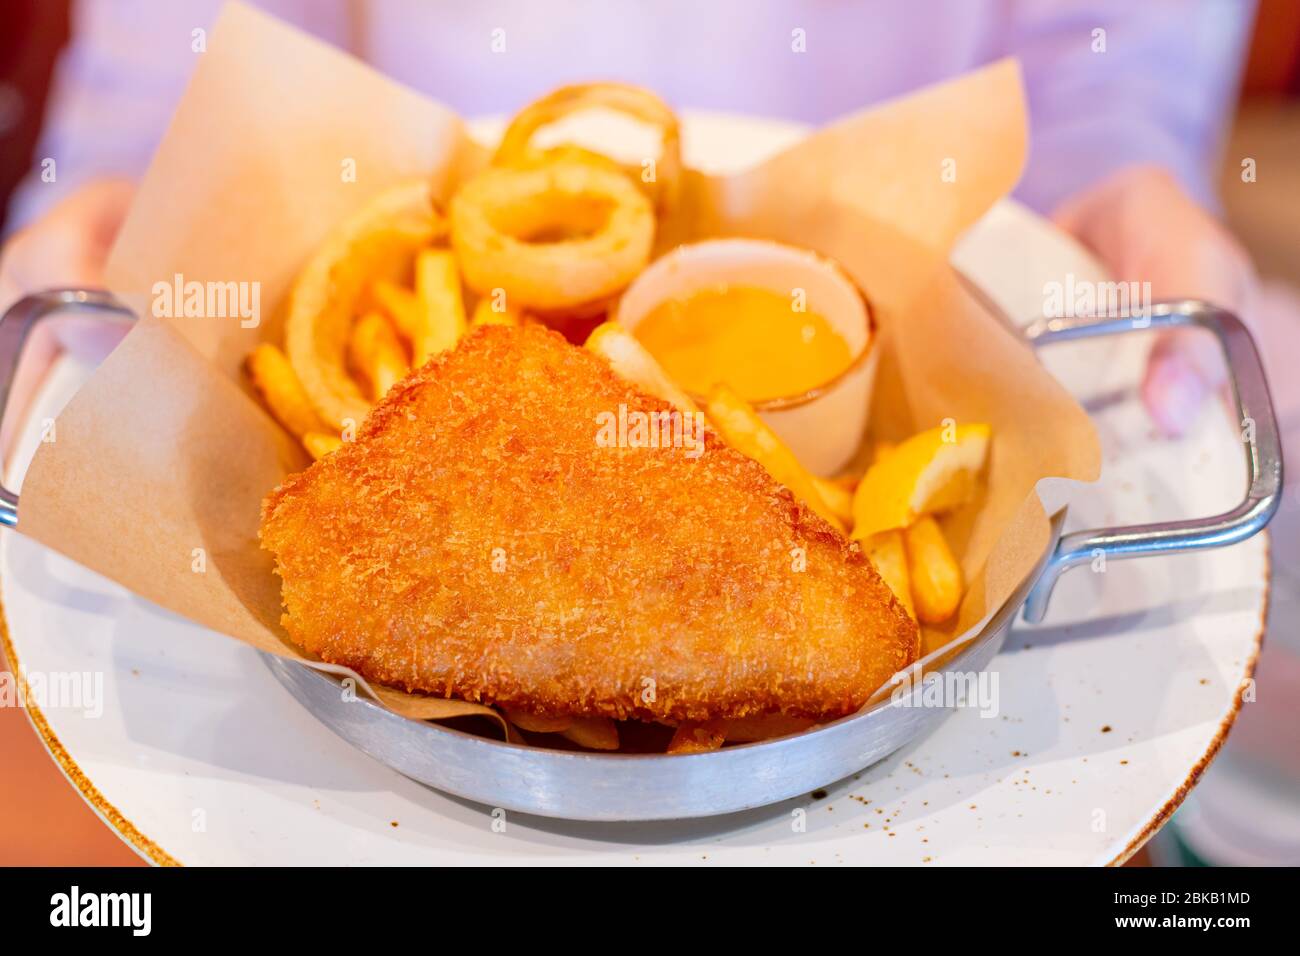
1160 92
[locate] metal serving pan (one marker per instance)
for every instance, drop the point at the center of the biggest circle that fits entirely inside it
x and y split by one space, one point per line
624 787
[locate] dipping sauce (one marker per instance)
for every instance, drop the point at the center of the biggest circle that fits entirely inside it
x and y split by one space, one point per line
751 338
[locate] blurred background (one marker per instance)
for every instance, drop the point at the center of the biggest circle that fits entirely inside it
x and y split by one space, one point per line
1246 809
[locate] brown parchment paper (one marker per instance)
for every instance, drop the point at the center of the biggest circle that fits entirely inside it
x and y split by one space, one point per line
162 459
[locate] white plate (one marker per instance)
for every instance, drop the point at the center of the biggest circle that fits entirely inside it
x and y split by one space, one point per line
1108 712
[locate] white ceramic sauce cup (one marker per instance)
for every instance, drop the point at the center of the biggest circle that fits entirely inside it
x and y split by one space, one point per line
823 425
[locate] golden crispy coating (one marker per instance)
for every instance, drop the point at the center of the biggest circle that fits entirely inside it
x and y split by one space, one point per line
480 539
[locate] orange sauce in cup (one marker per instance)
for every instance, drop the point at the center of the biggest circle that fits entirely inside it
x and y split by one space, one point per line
756 340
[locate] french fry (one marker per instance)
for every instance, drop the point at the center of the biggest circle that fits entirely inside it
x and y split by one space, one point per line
374 349
632 362
889 556
275 380
745 730
933 639
594 733
320 444
401 305
537 724
838 498
750 435
936 575
485 313
442 308
697 738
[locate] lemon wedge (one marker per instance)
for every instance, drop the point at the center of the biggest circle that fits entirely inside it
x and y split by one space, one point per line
933 471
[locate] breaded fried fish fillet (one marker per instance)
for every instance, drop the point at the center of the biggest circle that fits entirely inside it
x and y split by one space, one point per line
499 531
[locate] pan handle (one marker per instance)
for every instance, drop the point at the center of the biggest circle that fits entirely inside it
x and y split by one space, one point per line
1259 435
16 324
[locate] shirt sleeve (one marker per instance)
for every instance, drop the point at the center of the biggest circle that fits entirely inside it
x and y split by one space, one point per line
1113 83
119 79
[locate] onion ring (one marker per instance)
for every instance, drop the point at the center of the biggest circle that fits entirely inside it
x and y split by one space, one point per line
555 237
663 190
379 241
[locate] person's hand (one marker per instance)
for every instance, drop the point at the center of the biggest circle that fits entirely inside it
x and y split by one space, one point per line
1145 228
67 247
